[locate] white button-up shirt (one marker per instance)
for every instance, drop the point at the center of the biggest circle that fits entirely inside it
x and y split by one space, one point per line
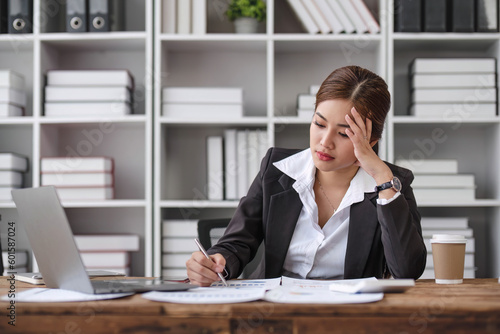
316 252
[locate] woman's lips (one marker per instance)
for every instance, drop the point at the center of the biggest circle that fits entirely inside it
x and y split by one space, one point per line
323 156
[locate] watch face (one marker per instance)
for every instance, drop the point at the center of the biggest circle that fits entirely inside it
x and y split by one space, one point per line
396 184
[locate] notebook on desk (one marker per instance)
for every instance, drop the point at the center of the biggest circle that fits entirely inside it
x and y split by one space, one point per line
59 261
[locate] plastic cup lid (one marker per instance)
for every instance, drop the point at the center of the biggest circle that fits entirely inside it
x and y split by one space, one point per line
448 238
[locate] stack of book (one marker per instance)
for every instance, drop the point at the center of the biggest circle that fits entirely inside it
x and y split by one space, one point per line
306 102
82 178
202 102
184 16
453 87
12 167
15 262
335 16
438 180
96 93
233 161
178 245
448 225
445 16
107 251
12 93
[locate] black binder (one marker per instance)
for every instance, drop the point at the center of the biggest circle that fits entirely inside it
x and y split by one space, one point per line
20 16
76 15
3 18
106 15
462 16
487 15
435 15
407 15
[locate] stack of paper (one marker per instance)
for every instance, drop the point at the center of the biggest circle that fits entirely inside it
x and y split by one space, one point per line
107 251
438 181
12 94
184 16
202 102
12 169
335 16
453 88
177 246
82 178
448 225
96 93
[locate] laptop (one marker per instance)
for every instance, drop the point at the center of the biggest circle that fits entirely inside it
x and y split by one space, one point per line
49 233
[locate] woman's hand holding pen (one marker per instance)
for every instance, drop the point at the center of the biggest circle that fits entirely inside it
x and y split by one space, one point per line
359 132
202 271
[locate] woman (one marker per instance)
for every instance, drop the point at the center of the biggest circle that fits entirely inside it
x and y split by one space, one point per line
335 210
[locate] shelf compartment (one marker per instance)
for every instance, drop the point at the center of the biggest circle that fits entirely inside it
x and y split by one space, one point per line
183 160
121 141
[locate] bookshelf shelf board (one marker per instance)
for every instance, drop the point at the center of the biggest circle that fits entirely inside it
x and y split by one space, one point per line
253 121
16 120
443 43
199 44
125 41
115 203
81 120
437 120
476 203
197 204
318 43
214 37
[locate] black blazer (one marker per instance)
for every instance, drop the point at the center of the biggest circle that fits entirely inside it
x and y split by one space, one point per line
382 239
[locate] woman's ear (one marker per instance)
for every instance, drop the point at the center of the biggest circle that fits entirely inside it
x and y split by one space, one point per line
373 143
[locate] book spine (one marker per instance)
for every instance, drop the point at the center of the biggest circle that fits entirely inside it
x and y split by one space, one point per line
462 16
304 17
199 17
487 15
435 16
407 15
215 168
169 15
230 164
184 17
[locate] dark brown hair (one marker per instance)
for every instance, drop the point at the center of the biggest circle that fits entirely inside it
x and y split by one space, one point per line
364 89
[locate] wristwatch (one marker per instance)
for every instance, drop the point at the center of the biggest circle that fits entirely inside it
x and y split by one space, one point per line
394 184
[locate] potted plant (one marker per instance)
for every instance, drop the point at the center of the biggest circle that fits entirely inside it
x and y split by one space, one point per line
246 14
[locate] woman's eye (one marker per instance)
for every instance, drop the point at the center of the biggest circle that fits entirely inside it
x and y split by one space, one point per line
317 124
343 135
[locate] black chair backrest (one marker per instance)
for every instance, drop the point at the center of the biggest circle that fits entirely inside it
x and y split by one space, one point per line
209 232
1 258
206 228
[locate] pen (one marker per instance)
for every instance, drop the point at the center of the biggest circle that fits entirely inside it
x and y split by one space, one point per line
200 246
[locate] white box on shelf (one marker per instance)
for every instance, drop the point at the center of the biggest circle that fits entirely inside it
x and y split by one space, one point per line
453 95
430 166
454 111
446 80
87 109
10 110
107 242
186 228
87 94
95 179
11 179
13 162
76 164
191 95
443 181
444 195
12 79
13 96
202 111
444 222
90 78
453 65
85 193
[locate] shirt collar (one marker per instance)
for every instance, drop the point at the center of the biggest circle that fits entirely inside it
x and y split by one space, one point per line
300 167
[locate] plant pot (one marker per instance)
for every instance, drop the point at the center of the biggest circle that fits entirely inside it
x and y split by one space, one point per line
246 25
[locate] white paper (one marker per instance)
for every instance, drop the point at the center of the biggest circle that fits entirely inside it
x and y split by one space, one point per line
267 283
208 295
312 283
45 295
297 295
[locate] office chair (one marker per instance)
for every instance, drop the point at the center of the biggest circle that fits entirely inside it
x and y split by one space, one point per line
211 230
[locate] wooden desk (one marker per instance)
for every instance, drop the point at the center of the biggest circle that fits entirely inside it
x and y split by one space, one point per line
472 307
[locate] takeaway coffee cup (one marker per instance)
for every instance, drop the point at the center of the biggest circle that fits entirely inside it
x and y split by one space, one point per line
448 253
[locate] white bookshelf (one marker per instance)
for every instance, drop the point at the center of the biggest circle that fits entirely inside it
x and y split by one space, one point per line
161 170
126 139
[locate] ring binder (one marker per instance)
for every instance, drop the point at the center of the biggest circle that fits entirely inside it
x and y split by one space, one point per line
20 16
106 15
76 15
